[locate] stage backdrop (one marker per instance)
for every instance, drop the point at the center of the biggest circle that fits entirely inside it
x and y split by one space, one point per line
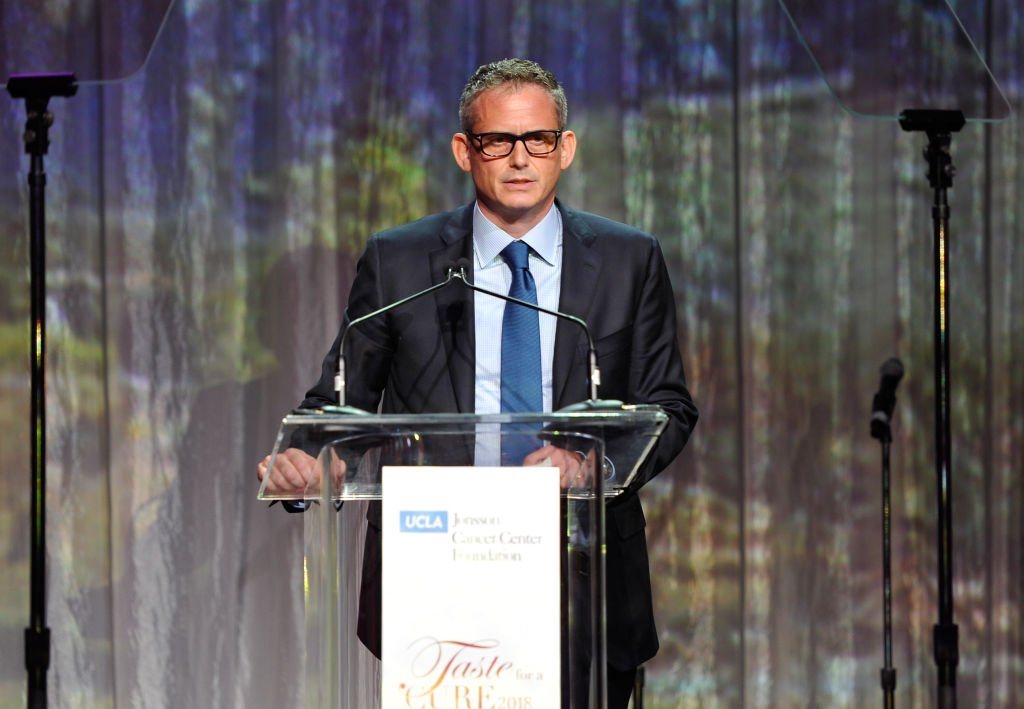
205 216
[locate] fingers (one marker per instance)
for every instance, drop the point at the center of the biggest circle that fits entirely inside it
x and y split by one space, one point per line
293 472
338 469
574 469
540 456
572 473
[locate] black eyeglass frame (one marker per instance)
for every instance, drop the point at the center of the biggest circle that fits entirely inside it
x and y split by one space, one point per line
479 138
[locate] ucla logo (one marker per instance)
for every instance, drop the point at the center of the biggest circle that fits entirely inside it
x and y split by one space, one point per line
420 521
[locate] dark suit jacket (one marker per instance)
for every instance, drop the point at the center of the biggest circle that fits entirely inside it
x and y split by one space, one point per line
420 358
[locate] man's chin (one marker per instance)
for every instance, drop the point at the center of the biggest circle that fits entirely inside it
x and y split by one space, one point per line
523 202
513 212
517 208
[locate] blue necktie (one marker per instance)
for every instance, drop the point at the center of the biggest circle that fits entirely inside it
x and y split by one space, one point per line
520 356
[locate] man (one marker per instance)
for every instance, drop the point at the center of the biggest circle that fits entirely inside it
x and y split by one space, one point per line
444 353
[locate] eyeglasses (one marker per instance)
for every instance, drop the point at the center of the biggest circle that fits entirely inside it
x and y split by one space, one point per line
498 145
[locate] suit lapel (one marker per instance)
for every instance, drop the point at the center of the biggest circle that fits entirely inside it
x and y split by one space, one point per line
455 307
580 267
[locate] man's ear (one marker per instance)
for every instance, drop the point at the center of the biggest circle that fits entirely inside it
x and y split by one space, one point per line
460 150
568 148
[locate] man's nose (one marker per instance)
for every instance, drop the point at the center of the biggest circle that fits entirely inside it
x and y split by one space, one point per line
520 156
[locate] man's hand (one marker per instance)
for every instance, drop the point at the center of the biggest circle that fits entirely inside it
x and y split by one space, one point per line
575 469
297 473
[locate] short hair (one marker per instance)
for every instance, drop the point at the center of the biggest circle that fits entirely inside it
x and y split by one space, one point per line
515 72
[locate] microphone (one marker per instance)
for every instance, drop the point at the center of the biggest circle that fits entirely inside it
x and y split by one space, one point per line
339 378
885 399
460 270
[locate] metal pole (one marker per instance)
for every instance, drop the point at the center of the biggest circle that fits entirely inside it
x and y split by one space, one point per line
37 90
939 125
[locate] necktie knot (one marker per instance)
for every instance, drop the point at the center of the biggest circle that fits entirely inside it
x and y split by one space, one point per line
516 255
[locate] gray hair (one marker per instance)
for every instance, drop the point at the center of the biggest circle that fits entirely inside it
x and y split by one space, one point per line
514 72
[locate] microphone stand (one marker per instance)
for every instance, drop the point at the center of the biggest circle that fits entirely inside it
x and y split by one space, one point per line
458 271
883 404
339 378
888 672
939 126
37 90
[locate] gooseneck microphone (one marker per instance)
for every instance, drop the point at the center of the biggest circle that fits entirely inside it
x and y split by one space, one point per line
460 270
339 378
885 400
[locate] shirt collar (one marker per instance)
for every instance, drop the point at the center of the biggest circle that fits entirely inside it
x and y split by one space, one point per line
489 239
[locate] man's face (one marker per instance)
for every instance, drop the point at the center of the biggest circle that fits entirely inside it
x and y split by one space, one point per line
515 191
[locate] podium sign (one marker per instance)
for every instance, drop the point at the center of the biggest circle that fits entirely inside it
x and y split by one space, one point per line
471 613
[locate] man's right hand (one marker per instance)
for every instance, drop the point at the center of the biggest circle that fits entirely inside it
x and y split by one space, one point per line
295 472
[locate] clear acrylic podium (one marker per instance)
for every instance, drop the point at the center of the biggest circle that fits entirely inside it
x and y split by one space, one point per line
341 572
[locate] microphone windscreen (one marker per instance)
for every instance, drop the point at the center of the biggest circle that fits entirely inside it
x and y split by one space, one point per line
892 369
